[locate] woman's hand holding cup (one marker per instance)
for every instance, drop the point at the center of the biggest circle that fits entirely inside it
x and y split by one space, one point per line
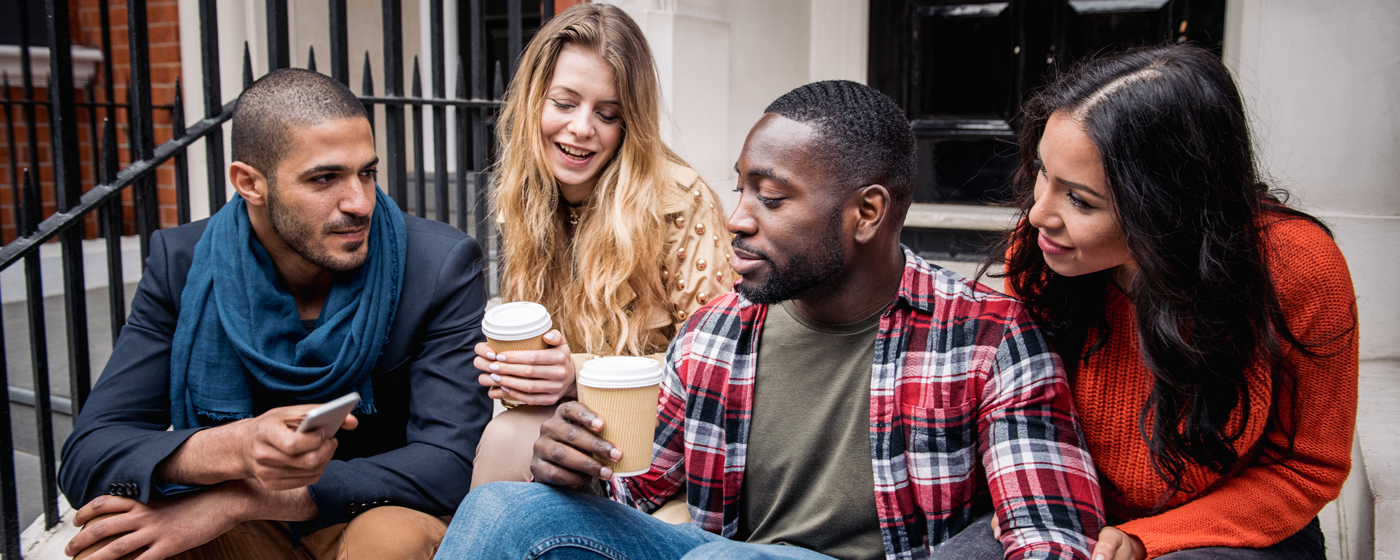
533 377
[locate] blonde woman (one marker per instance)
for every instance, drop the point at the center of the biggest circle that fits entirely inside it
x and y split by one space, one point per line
601 223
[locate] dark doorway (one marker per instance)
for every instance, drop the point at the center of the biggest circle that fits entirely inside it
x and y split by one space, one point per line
496 20
961 70
10 25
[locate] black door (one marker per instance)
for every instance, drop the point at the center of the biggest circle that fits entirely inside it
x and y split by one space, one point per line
961 70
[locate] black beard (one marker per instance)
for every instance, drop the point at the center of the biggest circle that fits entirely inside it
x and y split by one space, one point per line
816 266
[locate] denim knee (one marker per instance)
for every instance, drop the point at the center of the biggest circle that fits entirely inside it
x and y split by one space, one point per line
498 496
725 549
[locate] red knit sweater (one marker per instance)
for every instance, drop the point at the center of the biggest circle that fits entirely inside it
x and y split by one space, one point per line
1261 504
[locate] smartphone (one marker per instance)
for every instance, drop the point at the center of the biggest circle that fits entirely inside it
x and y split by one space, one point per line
329 416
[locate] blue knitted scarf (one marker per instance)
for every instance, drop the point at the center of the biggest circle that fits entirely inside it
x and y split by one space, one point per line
238 325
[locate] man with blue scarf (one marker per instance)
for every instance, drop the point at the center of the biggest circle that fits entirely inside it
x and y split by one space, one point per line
308 285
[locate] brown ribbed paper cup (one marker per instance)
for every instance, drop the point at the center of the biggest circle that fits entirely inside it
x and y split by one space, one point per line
623 390
517 325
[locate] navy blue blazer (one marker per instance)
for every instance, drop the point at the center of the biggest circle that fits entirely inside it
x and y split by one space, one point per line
416 451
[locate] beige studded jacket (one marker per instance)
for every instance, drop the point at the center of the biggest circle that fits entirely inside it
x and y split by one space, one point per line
697 255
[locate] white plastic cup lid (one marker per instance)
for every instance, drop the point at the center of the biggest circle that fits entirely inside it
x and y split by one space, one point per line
517 320
620 372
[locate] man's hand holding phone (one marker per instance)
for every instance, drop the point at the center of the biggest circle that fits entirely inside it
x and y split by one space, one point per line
289 447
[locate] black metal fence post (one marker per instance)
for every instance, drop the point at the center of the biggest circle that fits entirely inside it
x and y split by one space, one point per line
420 183
27 84
463 144
514 35
279 47
340 49
393 113
111 217
39 358
439 71
213 100
143 139
14 155
478 128
68 188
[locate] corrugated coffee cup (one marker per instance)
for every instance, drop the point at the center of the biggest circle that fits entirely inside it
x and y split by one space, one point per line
623 390
518 325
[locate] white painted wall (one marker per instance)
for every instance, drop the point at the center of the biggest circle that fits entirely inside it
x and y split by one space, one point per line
723 61
1322 80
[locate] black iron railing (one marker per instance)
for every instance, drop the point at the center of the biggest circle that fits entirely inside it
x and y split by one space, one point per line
475 109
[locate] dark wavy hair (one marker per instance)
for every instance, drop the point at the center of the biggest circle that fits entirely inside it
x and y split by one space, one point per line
1170 126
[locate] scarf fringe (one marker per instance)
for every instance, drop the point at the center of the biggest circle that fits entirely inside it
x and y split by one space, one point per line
221 416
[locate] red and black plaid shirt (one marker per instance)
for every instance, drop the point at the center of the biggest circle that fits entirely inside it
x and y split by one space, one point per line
965 396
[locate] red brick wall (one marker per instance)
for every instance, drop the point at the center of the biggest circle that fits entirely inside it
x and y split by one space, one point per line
164 33
561 5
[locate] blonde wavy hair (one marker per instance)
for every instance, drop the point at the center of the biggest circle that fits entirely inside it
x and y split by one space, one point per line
621 233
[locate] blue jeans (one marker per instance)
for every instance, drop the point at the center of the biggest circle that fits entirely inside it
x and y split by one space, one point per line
521 520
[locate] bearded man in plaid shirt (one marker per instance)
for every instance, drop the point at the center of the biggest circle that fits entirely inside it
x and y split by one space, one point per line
849 400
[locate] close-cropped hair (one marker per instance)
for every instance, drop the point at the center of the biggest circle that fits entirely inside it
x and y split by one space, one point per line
862 137
1183 182
279 102
622 230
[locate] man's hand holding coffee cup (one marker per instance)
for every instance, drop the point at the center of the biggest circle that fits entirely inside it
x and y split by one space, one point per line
534 377
566 453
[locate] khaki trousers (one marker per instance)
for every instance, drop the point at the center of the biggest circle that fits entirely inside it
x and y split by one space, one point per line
380 533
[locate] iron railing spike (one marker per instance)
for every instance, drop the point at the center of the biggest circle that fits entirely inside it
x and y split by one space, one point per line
367 81
417 85
247 66
500 86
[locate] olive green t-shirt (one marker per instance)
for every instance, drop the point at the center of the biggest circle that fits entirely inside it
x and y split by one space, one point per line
808 481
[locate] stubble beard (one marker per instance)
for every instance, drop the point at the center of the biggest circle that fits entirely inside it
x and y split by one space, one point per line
301 237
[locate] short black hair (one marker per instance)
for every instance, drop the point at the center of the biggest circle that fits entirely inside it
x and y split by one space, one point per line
270 107
862 135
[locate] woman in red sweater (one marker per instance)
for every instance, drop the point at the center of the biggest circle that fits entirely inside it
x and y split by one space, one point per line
1209 330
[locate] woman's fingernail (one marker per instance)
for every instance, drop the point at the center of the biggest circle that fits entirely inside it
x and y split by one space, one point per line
494 367
551 337
503 388
496 378
491 355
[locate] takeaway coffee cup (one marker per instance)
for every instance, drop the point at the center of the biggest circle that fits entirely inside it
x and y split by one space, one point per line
516 326
623 390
